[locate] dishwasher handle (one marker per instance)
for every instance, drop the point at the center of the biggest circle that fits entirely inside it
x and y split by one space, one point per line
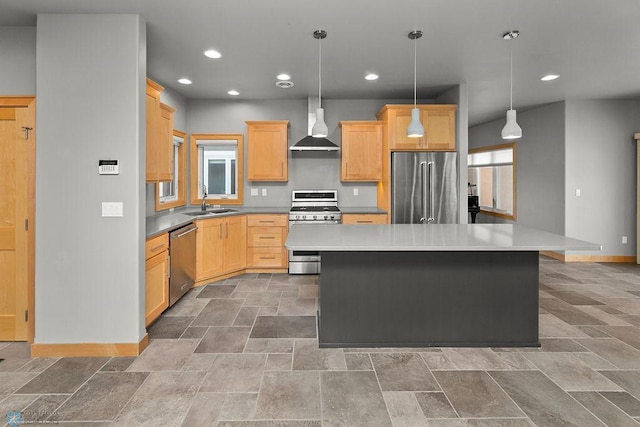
183 231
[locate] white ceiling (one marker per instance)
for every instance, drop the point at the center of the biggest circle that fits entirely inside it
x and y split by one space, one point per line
593 44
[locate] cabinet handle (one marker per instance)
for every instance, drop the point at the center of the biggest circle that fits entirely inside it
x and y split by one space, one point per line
266 237
282 169
266 222
226 228
220 231
267 257
155 248
362 221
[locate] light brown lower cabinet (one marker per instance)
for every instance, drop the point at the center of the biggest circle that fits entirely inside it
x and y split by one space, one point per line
266 235
221 246
157 277
364 218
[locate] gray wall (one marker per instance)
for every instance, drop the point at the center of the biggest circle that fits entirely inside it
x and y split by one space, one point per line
18 53
307 170
540 165
601 162
91 95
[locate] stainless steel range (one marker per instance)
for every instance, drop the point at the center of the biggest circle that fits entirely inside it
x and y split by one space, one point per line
311 207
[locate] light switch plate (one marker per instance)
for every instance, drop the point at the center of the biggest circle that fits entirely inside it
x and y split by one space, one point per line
264 191
254 191
112 209
355 191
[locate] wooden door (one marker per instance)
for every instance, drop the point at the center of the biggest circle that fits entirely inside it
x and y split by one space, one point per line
401 118
17 151
267 151
361 151
209 242
156 286
235 243
440 128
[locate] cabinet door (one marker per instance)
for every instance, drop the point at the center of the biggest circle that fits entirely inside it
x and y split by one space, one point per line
235 243
267 151
440 127
400 119
361 151
156 286
364 218
209 248
153 130
165 144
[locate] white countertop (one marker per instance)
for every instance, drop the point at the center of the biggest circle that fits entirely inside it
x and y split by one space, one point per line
434 237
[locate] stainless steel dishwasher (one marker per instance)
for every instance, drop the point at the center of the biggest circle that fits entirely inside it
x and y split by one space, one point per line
182 270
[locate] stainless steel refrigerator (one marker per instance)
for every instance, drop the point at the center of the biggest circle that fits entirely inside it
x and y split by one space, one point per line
424 188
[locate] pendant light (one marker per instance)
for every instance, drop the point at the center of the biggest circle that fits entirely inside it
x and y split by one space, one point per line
320 129
415 129
511 130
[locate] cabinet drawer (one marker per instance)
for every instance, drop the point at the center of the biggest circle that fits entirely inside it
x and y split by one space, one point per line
267 257
364 219
268 220
265 236
155 245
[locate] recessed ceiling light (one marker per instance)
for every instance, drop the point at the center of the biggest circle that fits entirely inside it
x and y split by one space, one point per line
549 77
371 76
233 92
184 81
212 54
283 76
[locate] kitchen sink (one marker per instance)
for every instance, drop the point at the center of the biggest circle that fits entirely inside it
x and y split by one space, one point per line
210 212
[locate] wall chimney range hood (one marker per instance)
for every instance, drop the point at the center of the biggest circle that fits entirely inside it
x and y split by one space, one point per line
310 143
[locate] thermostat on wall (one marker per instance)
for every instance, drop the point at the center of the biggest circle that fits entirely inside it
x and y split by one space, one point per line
108 167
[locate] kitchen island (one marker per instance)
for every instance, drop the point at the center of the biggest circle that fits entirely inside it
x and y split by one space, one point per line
401 285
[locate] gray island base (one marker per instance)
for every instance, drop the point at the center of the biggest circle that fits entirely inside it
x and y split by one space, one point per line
451 285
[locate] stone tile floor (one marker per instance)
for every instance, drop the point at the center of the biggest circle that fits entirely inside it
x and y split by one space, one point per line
243 352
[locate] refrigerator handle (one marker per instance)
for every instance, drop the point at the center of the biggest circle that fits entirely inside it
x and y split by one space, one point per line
423 170
432 201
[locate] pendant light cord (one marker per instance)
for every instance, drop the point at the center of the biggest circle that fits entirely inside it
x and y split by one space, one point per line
319 72
415 70
511 74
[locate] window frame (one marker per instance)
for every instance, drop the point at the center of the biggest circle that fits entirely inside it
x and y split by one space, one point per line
180 173
195 180
498 147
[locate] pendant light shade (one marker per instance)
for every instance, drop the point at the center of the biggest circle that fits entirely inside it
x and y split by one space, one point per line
415 129
320 128
511 129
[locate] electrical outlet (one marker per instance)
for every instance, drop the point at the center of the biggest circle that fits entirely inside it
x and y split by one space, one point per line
264 191
624 240
254 191
577 192
355 191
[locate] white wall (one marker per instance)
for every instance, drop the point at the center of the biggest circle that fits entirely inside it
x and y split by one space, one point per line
540 165
601 162
18 53
91 96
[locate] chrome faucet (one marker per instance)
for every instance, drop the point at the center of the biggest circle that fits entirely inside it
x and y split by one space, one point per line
204 198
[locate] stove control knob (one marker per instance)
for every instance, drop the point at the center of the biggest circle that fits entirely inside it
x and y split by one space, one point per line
326 217
315 217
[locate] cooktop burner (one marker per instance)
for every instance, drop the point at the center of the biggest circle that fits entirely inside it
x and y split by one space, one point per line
315 209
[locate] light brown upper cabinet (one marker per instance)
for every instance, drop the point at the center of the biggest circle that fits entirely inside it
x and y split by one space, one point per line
267 150
439 121
159 136
361 151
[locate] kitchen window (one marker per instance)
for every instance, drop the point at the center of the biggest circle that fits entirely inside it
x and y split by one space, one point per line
170 194
216 166
492 175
